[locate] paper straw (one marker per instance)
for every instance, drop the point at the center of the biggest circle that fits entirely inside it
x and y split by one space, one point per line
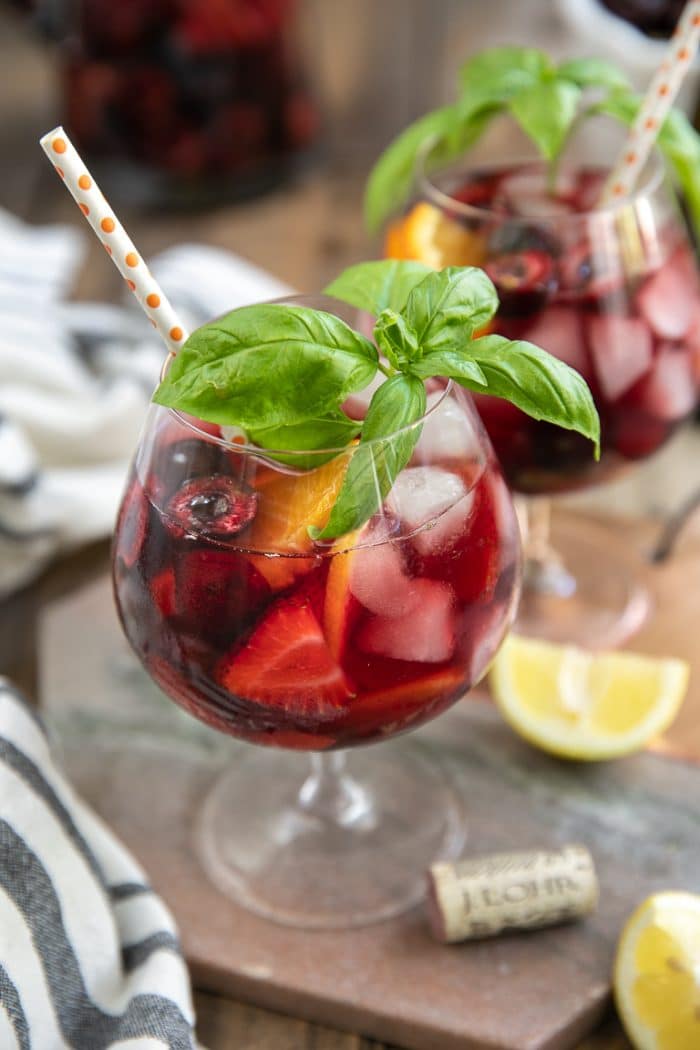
116 241
655 105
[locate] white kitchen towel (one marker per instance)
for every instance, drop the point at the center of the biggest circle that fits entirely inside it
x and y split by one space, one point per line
75 381
89 954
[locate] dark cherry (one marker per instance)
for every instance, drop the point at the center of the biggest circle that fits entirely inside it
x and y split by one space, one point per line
522 237
524 280
190 458
216 507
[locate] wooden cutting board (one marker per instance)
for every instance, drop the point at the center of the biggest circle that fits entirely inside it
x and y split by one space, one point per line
145 766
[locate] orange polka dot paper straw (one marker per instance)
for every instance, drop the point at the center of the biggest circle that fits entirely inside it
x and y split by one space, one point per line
114 238
655 105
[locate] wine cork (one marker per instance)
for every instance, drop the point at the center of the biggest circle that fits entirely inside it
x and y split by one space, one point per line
483 896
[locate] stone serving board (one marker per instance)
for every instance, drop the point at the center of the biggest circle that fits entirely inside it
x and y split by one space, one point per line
145 766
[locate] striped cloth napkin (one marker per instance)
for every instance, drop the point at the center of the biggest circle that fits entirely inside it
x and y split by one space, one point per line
89 955
76 382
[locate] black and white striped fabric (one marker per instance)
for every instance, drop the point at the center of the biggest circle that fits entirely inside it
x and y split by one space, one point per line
89 955
76 382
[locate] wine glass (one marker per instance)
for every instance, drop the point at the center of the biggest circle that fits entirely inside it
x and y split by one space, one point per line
614 292
265 635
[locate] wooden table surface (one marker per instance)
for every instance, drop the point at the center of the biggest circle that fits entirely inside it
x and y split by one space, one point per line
303 233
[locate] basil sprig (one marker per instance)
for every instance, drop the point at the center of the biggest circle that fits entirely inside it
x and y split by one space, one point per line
282 373
545 99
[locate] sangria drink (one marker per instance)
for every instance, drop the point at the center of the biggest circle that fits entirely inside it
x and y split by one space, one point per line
598 272
326 555
613 292
263 634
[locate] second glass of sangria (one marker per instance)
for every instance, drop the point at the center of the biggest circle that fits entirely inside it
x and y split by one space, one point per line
614 292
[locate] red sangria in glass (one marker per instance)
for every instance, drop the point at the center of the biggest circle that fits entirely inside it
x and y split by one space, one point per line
614 292
296 644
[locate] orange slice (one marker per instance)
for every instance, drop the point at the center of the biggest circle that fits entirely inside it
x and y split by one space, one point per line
431 237
340 606
406 700
394 243
289 504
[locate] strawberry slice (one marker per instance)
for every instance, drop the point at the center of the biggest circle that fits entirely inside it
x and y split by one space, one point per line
286 663
426 634
163 591
621 348
667 300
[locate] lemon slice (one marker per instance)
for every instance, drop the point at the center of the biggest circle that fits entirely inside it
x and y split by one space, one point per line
657 973
590 706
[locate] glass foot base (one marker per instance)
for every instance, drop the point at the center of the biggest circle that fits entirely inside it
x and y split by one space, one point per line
598 603
329 851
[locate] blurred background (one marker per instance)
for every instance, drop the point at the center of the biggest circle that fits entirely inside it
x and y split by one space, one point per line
236 126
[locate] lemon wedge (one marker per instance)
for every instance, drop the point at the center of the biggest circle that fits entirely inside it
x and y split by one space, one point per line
583 705
657 973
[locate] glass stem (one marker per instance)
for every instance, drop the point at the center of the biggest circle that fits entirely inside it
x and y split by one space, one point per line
332 795
544 569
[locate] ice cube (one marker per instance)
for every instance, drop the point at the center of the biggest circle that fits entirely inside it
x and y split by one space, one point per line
558 330
426 634
377 576
433 503
669 391
622 352
668 299
448 431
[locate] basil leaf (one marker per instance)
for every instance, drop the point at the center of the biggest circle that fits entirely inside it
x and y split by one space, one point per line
499 73
331 431
448 306
268 365
535 381
592 72
381 455
391 180
678 141
396 338
454 364
376 286
545 112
